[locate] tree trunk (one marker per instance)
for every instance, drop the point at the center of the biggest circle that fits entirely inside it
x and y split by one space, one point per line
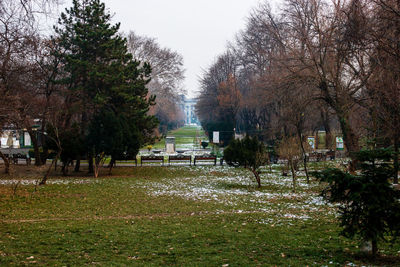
325 122
350 139
396 161
35 143
99 161
77 164
44 180
64 168
374 247
304 156
6 163
293 174
111 165
43 142
258 179
90 161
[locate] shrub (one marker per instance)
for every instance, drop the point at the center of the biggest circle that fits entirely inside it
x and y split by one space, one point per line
369 205
289 149
248 153
204 144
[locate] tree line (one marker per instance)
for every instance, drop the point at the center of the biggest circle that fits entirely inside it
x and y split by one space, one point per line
310 65
91 88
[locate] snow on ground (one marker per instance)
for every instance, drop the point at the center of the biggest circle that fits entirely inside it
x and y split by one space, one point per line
50 181
236 190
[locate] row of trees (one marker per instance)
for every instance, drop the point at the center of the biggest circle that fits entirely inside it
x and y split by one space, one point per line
87 84
314 64
166 83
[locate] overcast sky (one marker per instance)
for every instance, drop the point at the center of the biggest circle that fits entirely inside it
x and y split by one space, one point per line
197 29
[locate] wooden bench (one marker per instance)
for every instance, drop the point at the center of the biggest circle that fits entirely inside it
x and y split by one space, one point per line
152 159
205 158
180 158
16 157
125 161
315 156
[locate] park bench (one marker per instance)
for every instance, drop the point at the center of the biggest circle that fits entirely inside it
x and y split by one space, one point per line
126 161
180 158
151 159
316 156
206 159
16 157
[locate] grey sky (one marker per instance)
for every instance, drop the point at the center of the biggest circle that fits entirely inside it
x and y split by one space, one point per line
198 30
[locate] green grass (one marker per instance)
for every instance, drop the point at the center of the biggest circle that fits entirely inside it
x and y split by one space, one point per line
184 216
186 135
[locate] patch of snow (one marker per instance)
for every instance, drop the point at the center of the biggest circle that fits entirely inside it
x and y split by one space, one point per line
52 181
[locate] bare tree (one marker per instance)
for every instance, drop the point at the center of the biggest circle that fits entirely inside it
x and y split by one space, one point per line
18 43
167 76
219 98
15 40
384 88
289 149
318 46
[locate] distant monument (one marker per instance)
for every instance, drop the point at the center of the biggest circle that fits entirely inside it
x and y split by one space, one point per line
170 144
189 109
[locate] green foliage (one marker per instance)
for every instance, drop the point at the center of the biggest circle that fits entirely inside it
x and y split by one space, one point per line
114 135
73 144
225 129
107 86
249 153
369 205
204 144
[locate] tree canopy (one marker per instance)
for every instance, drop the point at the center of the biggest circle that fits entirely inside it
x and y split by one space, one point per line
106 87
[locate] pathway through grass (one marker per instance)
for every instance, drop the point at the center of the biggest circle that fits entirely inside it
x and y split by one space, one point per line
187 137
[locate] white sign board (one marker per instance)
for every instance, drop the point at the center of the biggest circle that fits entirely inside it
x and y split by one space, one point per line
216 137
339 143
27 139
311 142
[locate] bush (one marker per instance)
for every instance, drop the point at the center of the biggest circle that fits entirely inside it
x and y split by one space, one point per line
289 149
369 205
248 153
204 144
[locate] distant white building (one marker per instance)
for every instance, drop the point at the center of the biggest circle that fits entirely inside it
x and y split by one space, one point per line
189 108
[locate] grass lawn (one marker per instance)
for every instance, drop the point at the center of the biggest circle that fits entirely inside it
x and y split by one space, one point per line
184 137
185 216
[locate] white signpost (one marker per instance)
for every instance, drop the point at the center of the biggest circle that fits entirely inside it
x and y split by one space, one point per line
311 141
339 143
216 137
27 139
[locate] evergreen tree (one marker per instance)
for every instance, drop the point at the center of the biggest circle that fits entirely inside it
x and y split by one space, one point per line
107 88
369 205
248 153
